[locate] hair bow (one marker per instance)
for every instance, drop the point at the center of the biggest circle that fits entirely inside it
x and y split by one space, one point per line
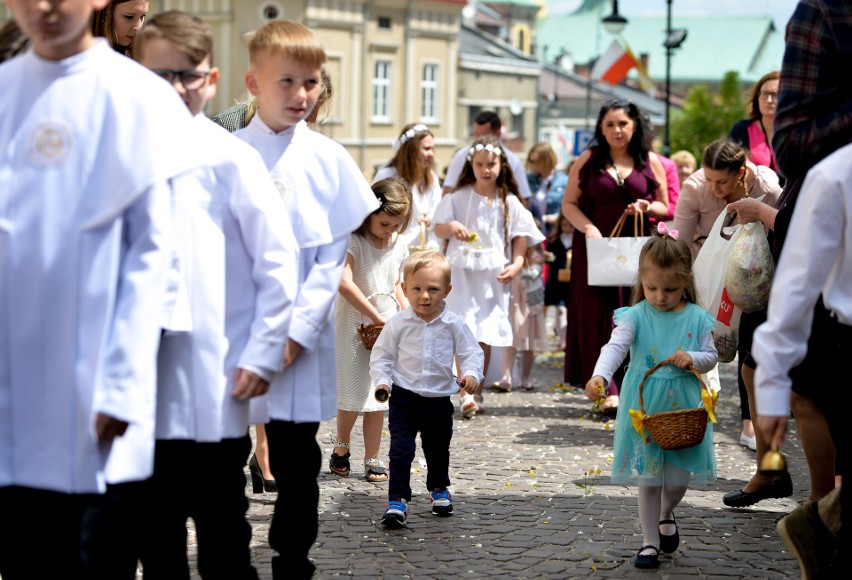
664 231
419 128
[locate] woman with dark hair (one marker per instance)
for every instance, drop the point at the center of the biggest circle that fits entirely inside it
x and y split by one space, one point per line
756 132
618 174
119 22
727 177
414 161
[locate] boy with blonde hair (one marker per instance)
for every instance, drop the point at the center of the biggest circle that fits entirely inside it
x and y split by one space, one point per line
413 360
327 198
238 263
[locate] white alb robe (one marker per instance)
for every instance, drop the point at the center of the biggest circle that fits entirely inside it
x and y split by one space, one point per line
327 198
89 144
238 264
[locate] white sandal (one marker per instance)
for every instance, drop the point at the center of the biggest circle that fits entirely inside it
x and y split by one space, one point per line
468 406
374 470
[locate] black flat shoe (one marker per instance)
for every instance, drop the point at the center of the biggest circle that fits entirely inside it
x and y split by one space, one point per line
647 560
779 488
669 544
258 484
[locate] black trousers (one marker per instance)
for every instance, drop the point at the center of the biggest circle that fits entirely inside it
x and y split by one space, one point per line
294 458
112 532
205 482
40 533
432 417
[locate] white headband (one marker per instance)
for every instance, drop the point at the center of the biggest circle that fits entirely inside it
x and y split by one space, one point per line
420 128
480 147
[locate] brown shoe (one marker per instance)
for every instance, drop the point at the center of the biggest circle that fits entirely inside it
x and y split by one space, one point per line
808 540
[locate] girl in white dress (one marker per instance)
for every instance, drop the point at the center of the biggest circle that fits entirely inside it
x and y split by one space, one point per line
369 293
414 161
489 231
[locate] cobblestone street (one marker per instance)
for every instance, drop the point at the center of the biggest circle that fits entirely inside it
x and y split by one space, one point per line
526 506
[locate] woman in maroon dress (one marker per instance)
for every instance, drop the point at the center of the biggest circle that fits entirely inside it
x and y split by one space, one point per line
618 174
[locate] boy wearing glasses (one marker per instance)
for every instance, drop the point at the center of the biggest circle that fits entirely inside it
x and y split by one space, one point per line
238 264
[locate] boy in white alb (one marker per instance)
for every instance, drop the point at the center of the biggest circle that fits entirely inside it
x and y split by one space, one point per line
327 197
90 141
238 265
413 356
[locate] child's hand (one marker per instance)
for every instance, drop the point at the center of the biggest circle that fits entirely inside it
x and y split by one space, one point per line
509 272
291 352
595 388
469 384
681 359
108 428
458 231
248 385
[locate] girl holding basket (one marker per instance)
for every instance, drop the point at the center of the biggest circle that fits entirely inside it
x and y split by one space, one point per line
370 288
664 325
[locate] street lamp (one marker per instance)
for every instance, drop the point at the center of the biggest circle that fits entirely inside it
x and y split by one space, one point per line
614 24
674 38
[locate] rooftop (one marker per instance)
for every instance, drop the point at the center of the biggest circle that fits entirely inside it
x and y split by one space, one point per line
751 46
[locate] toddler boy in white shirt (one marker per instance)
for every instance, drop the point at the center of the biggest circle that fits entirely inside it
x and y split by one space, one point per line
414 356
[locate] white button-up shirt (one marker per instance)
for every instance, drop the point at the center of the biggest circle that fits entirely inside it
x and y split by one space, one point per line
418 355
816 259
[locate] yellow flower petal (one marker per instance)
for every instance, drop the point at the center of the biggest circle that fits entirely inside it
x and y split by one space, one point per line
638 421
710 404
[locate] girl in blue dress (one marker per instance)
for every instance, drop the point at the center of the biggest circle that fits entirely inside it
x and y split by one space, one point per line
664 324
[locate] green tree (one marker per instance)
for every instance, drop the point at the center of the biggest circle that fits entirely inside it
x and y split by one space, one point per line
707 115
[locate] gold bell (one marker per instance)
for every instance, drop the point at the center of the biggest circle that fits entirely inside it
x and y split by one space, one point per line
773 462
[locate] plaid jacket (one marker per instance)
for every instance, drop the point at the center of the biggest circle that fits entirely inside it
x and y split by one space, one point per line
233 118
814 115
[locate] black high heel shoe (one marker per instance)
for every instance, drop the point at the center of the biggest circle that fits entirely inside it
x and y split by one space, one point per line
258 484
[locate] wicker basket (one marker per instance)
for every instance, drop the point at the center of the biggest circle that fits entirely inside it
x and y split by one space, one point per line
673 430
368 333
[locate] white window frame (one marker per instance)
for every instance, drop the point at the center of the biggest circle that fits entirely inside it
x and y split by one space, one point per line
381 90
431 88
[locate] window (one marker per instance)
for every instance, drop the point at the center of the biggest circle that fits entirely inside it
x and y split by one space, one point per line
472 112
429 93
381 90
384 23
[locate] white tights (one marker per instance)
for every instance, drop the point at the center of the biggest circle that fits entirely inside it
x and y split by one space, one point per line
656 503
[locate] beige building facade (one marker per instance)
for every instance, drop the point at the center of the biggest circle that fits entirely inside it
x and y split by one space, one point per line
392 62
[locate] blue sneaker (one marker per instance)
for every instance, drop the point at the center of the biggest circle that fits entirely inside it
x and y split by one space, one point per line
395 515
442 503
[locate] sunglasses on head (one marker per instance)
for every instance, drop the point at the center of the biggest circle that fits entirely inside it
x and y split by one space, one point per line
612 103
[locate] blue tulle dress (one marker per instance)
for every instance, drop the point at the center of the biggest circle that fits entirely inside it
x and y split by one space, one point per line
658 335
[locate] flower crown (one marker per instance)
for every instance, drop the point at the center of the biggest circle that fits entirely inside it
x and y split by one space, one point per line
401 140
480 147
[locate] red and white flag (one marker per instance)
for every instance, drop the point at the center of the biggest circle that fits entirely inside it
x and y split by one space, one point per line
616 62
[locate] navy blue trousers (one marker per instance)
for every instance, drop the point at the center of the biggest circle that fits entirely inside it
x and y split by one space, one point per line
432 417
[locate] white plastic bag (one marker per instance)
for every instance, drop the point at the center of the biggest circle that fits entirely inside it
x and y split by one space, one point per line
750 267
710 269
